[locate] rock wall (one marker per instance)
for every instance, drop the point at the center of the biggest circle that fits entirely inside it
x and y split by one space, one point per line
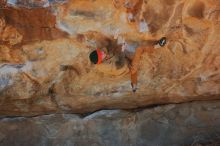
37 37
191 124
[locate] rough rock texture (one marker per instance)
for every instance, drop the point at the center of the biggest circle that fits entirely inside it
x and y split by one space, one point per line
38 36
22 26
191 124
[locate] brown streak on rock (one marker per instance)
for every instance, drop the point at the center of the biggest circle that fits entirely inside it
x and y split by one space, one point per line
34 24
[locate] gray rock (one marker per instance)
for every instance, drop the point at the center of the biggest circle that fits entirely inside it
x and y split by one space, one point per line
193 124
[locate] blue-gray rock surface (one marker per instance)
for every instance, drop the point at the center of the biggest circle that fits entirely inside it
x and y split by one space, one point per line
185 124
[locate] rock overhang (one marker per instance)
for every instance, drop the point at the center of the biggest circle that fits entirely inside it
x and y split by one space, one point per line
186 69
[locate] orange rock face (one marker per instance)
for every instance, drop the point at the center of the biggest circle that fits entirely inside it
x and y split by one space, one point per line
28 25
35 42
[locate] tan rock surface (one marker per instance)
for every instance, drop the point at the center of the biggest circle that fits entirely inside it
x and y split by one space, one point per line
186 69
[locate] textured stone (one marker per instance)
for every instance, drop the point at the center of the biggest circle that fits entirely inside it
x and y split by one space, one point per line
38 37
38 40
28 25
33 3
192 125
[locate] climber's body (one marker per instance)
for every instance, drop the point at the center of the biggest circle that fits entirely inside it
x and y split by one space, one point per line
133 54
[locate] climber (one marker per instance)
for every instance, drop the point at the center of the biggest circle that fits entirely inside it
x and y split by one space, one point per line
101 55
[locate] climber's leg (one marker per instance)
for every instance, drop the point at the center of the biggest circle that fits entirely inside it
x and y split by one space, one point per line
134 67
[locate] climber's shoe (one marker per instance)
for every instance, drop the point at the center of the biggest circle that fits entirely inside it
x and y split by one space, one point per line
162 42
134 87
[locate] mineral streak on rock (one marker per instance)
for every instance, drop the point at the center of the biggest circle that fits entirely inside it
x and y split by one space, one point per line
37 37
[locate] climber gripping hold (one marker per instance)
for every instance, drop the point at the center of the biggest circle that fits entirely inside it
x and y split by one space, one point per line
99 56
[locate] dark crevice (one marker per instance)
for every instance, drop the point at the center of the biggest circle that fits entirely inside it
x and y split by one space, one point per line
52 95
